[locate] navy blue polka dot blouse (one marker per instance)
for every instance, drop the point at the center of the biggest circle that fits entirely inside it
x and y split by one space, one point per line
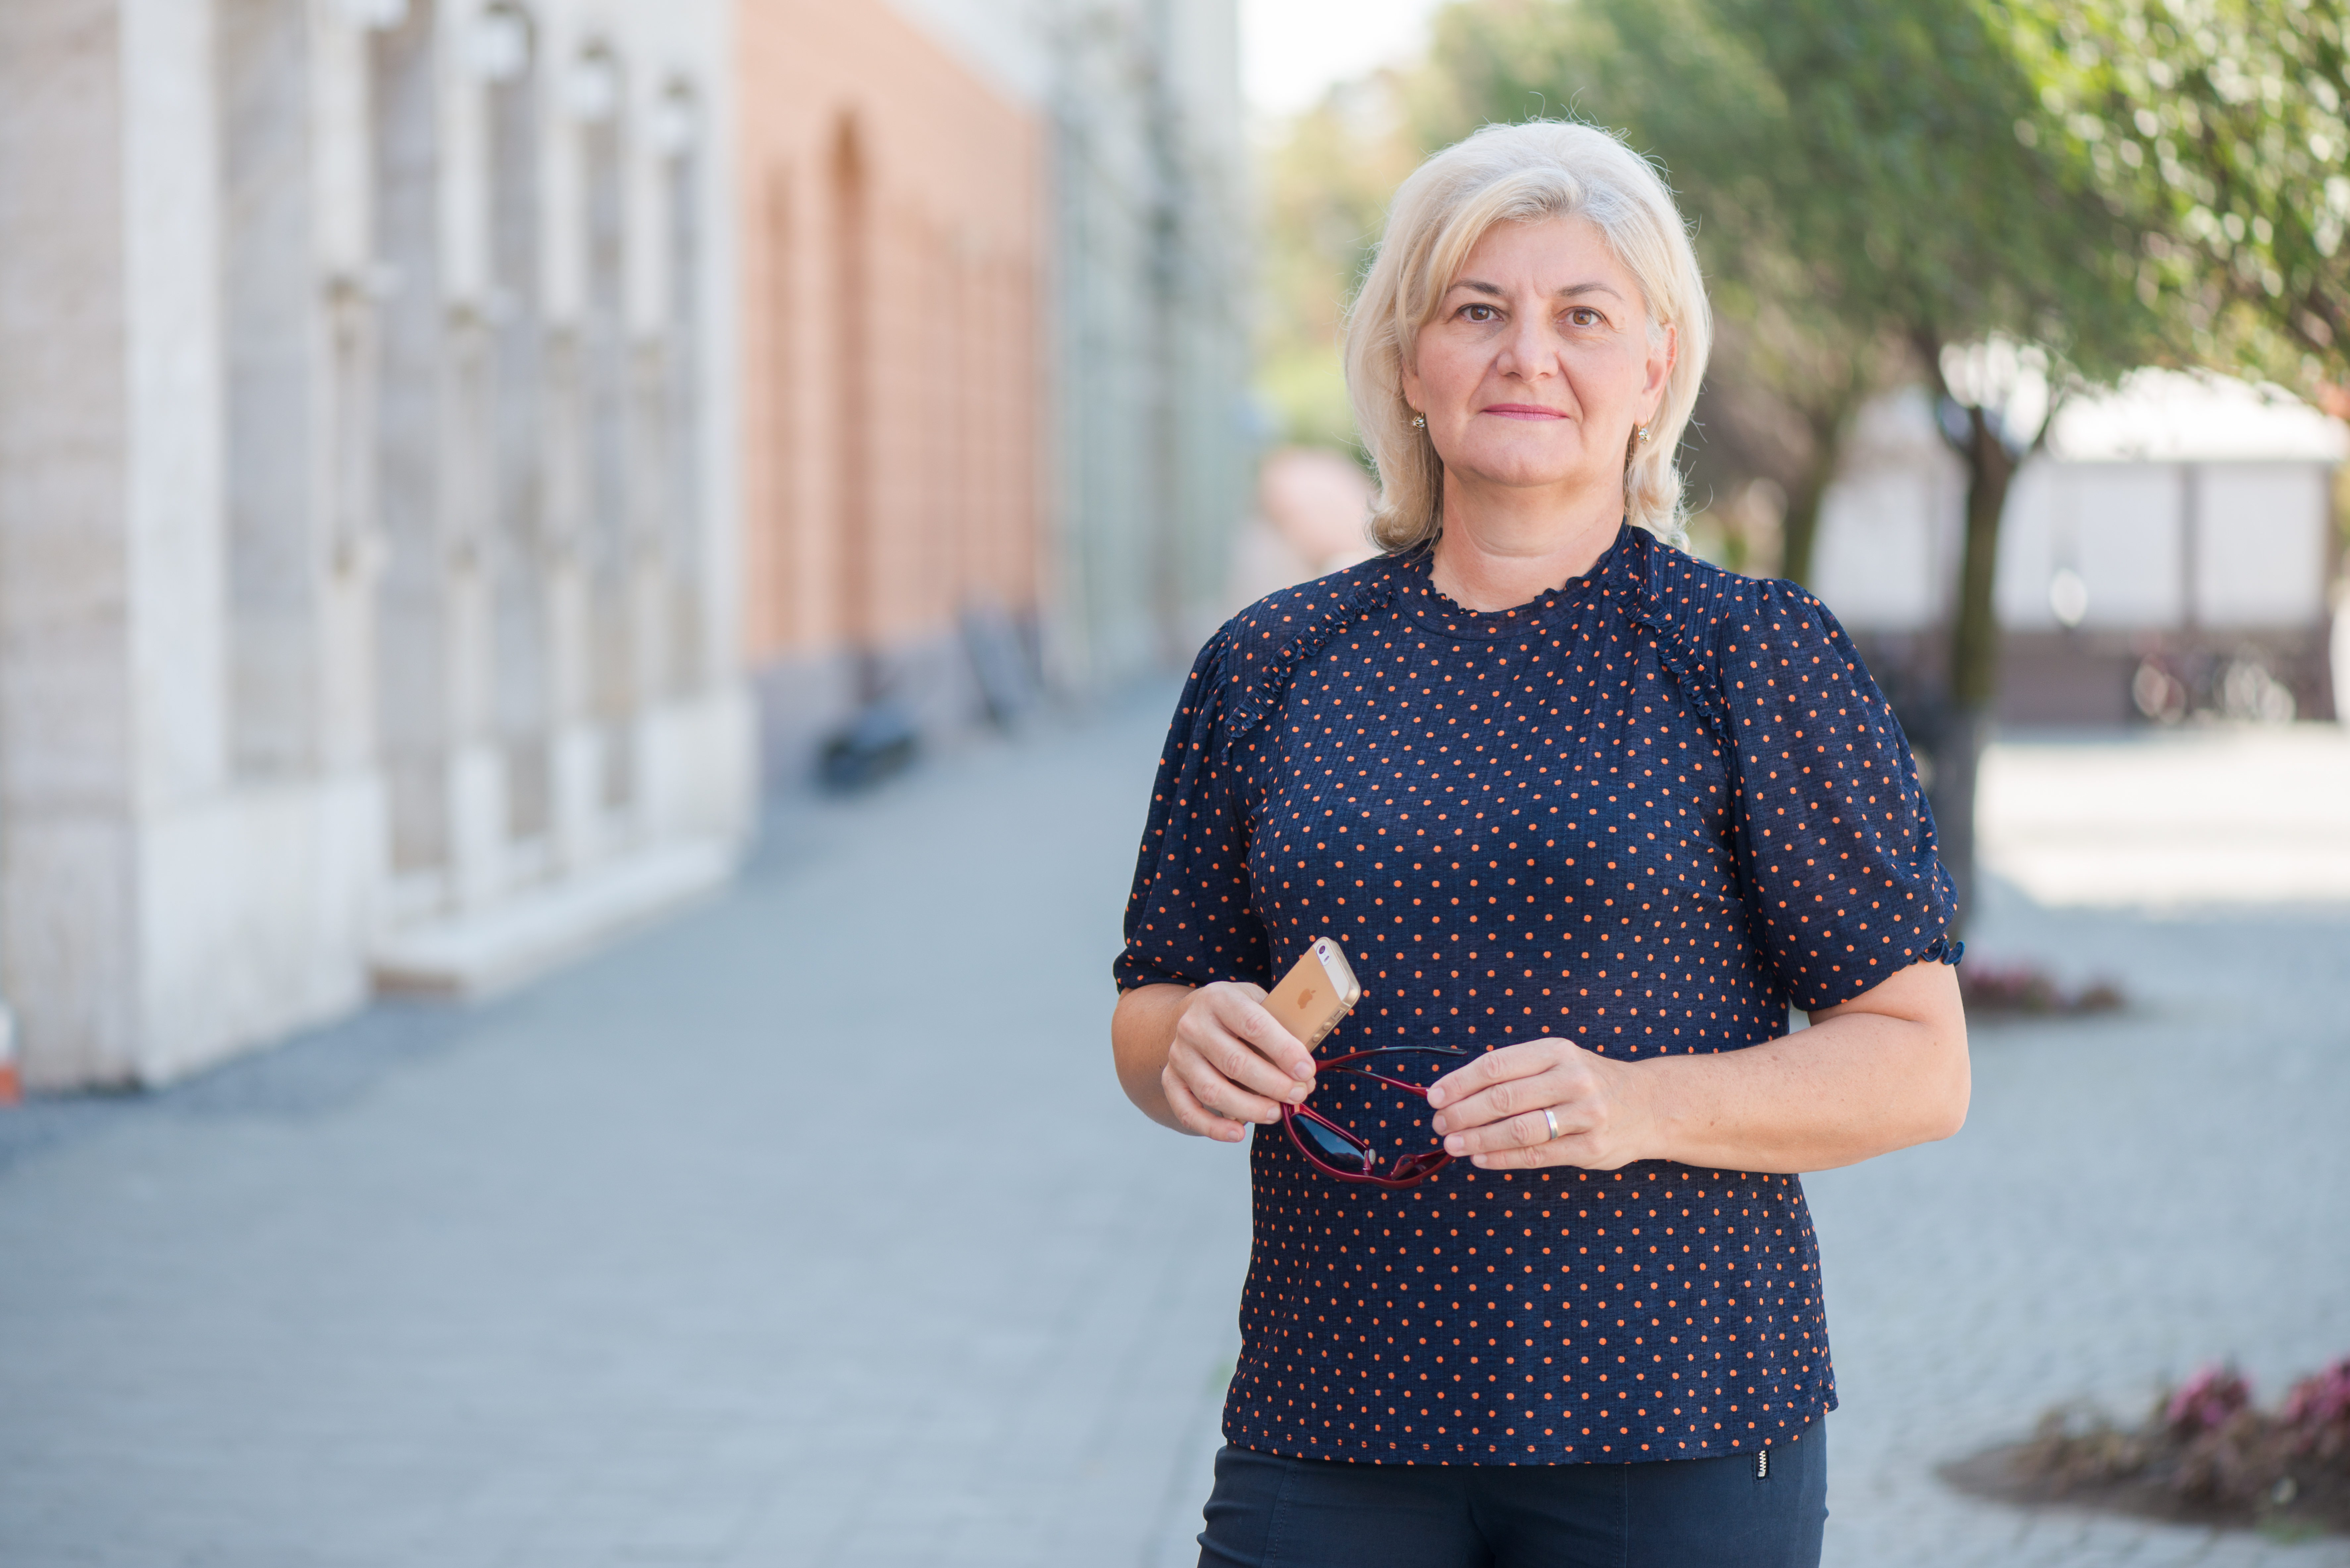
1646 812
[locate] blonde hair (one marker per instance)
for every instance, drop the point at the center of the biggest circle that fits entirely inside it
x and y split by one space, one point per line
1518 173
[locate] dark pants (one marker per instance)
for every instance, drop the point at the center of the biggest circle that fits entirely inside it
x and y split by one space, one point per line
1272 1513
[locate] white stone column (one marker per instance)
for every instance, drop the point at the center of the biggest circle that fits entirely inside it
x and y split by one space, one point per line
277 465
412 500
510 54
679 533
68 952
606 399
351 284
479 871
111 660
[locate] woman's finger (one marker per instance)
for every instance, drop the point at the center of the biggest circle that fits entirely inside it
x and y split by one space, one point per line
1216 1092
1236 1060
1195 1118
1506 1115
1562 1152
1556 1089
1600 1149
1527 1129
1520 1061
1244 1017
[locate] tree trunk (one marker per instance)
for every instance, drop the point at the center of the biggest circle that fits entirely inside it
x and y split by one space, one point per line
1975 659
1799 535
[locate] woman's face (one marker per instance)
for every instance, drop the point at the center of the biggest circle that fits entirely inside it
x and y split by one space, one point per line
1539 364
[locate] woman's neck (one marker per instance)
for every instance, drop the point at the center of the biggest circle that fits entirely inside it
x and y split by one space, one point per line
1499 551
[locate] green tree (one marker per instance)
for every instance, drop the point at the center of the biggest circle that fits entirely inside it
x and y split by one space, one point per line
1788 375
2223 128
1879 167
1324 191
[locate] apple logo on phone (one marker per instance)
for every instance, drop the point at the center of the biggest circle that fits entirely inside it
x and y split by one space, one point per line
1305 999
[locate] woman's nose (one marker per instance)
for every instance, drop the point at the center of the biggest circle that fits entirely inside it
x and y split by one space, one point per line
1530 348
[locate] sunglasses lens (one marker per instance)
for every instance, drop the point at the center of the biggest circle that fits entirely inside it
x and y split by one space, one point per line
1338 1153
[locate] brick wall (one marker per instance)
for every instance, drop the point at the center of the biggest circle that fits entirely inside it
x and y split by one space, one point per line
892 236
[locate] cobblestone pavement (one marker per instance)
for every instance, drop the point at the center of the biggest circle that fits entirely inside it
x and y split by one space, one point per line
811 1229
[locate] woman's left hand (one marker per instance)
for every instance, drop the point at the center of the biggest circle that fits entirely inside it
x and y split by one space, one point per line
1490 1111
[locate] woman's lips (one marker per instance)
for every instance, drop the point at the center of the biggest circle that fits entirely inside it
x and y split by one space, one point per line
1524 412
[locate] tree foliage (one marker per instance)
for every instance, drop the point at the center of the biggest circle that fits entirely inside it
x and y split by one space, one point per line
1325 189
2221 129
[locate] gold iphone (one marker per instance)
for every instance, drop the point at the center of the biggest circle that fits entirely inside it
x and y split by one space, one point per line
1318 991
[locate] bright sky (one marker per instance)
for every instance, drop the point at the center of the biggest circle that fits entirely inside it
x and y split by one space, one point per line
1291 50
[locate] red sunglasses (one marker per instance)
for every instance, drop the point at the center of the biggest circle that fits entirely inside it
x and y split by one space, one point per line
1339 1153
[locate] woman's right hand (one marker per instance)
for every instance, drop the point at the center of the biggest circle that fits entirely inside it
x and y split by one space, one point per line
1231 1062
1208 1061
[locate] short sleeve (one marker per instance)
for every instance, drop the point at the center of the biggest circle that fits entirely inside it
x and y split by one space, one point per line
1187 919
1845 871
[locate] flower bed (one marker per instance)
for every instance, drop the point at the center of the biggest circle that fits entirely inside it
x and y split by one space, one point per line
2205 1454
1996 988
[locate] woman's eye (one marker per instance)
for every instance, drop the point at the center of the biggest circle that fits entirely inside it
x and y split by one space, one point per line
1584 316
1478 312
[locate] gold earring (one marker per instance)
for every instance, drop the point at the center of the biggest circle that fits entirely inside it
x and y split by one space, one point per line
1644 435
1420 422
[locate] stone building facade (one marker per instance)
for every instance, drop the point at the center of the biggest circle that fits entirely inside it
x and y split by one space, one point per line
1156 460
447 445
368 598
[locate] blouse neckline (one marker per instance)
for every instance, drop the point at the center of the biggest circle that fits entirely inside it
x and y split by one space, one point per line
1428 608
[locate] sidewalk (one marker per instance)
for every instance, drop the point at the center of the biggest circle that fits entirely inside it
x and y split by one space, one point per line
812 1229
2197 817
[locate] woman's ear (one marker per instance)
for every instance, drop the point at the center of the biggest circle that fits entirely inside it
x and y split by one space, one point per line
1662 356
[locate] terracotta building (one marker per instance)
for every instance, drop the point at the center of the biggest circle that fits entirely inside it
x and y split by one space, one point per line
994 354
893 410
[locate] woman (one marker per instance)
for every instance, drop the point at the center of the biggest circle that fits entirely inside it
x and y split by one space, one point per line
1588 817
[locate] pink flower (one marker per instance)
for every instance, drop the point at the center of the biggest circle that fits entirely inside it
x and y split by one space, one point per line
2206 1400
2319 1402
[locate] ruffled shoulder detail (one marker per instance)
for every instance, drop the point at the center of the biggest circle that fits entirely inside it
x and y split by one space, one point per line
1686 604
1708 623
1264 643
1845 883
